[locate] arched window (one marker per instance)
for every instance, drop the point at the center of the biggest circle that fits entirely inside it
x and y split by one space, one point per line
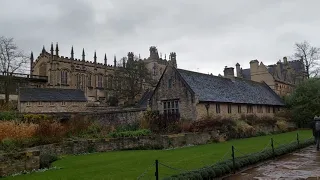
64 77
78 81
89 80
100 81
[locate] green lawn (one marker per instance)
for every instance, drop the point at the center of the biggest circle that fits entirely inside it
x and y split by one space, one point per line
130 164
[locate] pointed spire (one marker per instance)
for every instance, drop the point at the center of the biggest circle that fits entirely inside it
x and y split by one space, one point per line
115 61
95 57
43 49
83 55
72 53
57 49
165 56
51 50
124 62
31 57
105 58
139 56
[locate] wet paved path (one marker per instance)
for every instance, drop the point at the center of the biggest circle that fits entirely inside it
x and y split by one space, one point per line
303 164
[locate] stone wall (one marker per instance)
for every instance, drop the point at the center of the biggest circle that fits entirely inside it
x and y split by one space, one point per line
202 110
51 107
19 162
177 90
111 144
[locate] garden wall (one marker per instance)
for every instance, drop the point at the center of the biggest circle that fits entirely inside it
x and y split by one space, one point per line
18 162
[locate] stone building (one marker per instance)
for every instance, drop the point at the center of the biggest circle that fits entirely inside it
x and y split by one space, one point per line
281 77
194 95
95 79
13 81
48 100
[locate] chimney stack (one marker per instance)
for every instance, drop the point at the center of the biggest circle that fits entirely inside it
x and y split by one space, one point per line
238 70
229 72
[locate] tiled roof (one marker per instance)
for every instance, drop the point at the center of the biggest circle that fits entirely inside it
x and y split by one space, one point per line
220 89
51 94
144 99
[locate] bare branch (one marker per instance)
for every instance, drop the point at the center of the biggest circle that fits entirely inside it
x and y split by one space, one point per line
11 58
310 56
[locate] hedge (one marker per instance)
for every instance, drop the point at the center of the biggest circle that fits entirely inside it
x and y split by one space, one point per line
226 167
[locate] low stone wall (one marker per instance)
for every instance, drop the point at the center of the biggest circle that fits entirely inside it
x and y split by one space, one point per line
146 142
18 162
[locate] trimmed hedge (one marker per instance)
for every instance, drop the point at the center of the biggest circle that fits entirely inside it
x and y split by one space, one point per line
225 167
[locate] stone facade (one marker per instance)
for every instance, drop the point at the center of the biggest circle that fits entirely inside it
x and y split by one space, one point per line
233 110
95 79
190 104
51 107
177 91
282 77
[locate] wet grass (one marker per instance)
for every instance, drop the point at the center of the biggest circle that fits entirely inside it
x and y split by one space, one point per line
131 164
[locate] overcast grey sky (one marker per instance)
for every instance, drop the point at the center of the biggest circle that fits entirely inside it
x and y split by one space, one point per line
206 34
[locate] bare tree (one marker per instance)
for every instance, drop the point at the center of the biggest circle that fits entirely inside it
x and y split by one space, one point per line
310 56
11 60
131 79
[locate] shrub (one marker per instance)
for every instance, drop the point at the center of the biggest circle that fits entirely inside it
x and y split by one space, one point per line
138 133
35 118
8 115
209 123
77 125
128 127
46 160
16 130
50 132
282 125
243 129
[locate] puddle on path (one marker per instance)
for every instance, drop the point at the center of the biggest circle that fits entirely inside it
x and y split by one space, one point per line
304 164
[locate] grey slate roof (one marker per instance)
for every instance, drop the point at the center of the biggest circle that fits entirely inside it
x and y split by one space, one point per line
220 89
143 102
51 94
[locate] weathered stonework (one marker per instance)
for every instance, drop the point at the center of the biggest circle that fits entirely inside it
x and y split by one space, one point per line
48 107
282 77
178 90
97 80
18 162
235 114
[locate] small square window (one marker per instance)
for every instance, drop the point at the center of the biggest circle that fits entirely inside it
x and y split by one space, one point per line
39 103
63 103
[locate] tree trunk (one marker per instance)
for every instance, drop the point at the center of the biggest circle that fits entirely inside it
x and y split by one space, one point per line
6 89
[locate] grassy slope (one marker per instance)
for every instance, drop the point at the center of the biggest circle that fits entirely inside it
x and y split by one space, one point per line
130 164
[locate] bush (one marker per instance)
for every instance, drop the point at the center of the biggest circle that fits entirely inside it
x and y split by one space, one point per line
35 118
282 125
50 132
138 133
8 115
128 127
160 123
46 160
16 130
209 123
242 129
77 125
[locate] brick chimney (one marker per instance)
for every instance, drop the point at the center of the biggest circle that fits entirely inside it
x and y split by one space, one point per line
229 72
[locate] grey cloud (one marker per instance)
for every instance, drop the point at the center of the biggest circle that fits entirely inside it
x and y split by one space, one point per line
206 34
